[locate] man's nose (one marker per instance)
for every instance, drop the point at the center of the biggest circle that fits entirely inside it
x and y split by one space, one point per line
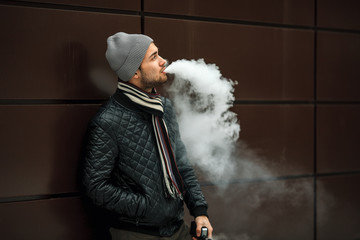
162 61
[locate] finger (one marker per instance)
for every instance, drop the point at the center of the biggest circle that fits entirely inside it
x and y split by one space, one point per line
210 231
198 230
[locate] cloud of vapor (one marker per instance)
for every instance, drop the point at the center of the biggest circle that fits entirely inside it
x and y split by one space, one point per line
202 98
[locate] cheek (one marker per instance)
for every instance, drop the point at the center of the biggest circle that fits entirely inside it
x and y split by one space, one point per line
155 69
152 69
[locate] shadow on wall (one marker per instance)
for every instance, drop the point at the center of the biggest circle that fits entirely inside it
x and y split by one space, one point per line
79 78
68 212
78 220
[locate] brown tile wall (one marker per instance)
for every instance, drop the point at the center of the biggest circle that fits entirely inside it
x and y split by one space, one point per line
268 62
297 64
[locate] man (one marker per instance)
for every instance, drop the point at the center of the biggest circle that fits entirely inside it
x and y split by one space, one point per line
135 165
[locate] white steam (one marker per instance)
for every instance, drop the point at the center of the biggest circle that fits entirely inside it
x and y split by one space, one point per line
202 98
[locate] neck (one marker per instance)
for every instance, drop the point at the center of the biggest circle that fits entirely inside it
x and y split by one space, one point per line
151 92
136 82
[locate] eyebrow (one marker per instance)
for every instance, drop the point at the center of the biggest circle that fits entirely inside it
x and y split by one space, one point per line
154 53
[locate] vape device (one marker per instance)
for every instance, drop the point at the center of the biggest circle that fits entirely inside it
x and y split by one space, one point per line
203 234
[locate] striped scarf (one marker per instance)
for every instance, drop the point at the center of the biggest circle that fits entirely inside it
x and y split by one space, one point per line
152 103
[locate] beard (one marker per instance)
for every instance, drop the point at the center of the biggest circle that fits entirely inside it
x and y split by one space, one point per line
151 81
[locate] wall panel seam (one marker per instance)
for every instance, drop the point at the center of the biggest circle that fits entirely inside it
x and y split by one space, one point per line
246 23
69 7
38 197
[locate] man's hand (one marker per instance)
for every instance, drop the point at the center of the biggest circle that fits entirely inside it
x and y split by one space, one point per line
203 221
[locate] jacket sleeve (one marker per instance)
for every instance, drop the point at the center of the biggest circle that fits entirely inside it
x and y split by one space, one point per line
193 197
100 155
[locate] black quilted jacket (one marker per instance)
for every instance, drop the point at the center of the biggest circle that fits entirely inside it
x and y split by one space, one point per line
122 171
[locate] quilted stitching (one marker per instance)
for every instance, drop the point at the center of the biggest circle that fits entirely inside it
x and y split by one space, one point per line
125 139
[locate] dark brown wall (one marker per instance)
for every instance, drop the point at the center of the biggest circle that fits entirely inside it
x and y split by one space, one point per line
297 66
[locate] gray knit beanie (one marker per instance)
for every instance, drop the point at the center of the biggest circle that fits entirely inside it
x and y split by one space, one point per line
125 53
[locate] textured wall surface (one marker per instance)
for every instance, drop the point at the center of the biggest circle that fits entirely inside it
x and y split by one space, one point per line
297 99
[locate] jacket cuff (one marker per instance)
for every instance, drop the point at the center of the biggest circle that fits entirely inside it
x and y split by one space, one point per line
200 211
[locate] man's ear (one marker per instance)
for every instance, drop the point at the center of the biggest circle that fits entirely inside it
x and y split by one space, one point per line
137 74
135 80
